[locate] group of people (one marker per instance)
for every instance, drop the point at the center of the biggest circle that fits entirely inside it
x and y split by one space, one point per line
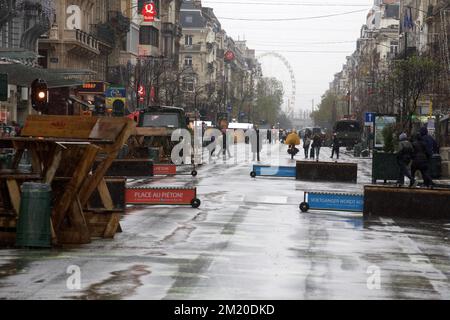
311 144
416 152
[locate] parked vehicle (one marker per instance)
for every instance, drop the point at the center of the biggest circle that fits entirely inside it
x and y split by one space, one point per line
155 126
348 133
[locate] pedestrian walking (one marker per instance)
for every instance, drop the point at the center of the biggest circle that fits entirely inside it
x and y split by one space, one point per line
335 147
316 145
224 144
431 144
292 141
404 157
269 136
420 161
306 145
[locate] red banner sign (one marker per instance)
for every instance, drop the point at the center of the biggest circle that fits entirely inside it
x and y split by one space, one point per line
141 93
164 169
149 12
160 196
229 55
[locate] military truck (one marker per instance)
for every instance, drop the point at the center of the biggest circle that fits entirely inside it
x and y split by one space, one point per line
152 136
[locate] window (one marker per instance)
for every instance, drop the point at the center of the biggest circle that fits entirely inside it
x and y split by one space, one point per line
188 84
394 47
149 36
188 40
170 120
188 19
188 61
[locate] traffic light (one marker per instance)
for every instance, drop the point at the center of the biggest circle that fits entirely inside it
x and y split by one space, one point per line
39 95
3 87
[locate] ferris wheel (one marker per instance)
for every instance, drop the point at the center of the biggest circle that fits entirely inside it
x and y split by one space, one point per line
292 94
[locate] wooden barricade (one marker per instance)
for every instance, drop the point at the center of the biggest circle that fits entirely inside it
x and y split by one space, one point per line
417 203
327 171
64 150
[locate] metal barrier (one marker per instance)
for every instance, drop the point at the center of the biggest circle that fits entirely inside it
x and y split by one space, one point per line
268 171
332 202
170 170
147 195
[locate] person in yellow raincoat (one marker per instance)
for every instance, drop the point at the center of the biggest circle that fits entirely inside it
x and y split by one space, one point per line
292 140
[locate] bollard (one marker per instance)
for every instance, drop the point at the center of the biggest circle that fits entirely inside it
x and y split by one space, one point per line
257 146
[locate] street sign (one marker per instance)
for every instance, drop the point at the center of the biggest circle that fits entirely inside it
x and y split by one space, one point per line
3 87
370 117
149 12
92 87
335 201
116 92
229 56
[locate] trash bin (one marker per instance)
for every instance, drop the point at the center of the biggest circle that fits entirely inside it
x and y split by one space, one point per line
33 226
154 154
436 166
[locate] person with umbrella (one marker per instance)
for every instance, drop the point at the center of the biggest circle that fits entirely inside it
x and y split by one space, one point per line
292 140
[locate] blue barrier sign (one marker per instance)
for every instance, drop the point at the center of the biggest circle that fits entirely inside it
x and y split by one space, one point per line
339 202
286 172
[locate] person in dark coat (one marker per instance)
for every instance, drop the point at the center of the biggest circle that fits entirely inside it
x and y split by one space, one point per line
404 156
306 144
420 160
316 145
429 141
335 147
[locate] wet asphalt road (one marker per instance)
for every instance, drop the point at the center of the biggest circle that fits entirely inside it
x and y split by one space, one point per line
248 240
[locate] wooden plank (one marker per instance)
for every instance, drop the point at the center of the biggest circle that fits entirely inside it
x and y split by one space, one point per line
78 222
130 168
108 128
17 158
116 187
53 167
105 196
35 160
14 194
112 226
112 151
151 132
58 126
73 187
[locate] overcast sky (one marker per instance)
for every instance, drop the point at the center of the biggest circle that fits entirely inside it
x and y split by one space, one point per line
329 39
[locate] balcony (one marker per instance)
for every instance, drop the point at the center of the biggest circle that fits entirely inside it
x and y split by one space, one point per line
191 48
83 43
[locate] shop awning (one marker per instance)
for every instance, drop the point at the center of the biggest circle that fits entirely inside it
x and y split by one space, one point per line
83 103
22 75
